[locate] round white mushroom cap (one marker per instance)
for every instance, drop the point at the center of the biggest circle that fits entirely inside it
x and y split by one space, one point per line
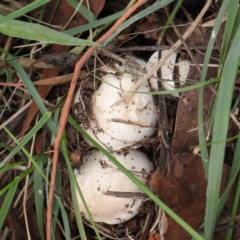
98 175
167 70
152 61
118 125
184 69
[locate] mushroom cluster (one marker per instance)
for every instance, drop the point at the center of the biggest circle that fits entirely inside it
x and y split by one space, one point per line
117 125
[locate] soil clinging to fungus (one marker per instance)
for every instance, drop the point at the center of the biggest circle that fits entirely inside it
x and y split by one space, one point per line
116 126
99 176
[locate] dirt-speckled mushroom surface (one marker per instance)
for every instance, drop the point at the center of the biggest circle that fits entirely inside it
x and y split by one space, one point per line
118 125
99 175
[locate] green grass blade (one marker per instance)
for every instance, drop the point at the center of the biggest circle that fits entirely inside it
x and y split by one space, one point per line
10 166
39 195
95 24
228 33
7 203
138 183
234 210
154 7
16 180
56 116
3 145
55 206
32 31
48 171
232 178
170 19
76 210
32 90
236 163
74 193
220 128
83 10
25 9
98 31
29 136
30 158
64 218
201 132
220 141
104 21
165 92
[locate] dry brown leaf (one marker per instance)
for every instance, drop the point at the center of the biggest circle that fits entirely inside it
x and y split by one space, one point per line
40 142
156 236
184 191
186 132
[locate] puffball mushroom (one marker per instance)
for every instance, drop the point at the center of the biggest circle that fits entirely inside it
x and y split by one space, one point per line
117 125
98 176
167 70
184 68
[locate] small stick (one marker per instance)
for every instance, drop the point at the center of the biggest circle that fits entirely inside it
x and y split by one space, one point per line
155 48
48 81
125 194
66 109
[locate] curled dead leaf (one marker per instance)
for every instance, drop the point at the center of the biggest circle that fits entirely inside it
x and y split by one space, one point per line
184 191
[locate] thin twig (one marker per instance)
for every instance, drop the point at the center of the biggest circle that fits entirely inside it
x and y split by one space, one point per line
154 48
7 103
15 115
184 43
66 109
48 81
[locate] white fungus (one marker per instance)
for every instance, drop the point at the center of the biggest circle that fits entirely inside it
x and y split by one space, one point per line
152 61
98 176
167 70
117 125
183 68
